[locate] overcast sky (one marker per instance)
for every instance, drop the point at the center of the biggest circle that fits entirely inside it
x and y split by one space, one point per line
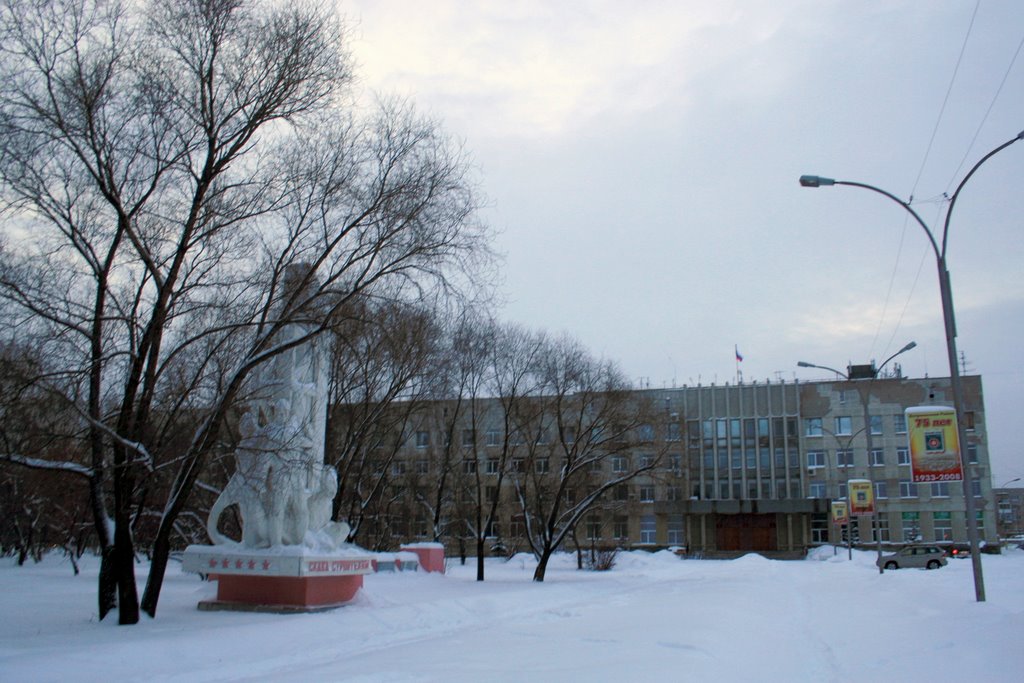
640 161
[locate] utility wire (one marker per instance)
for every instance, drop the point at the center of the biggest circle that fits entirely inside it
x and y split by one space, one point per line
945 100
917 180
984 118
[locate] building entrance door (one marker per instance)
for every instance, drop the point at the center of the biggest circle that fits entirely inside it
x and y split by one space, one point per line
746 532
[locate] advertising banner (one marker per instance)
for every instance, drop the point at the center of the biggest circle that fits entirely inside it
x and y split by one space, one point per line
862 500
934 444
839 513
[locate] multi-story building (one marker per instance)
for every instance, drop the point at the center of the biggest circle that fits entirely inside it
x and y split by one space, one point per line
749 466
1009 512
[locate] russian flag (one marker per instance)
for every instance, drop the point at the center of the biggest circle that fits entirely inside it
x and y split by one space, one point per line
738 356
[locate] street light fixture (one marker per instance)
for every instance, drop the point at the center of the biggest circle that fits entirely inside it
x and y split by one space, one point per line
865 400
945 291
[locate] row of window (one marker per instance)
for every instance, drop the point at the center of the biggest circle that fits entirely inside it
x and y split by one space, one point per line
493 437
721 429
843 425
594 529
908 489
818 459
910 527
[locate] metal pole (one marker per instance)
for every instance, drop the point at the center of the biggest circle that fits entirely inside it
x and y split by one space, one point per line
950 326
958 405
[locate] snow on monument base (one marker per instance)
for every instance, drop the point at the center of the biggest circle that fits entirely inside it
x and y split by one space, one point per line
276 580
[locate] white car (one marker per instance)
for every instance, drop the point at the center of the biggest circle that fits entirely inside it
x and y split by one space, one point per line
921 556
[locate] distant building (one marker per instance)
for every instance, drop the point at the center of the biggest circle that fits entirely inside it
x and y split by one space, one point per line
1009 511
743 467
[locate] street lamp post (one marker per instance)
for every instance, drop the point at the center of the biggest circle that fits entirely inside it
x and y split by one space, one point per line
865 397
945 291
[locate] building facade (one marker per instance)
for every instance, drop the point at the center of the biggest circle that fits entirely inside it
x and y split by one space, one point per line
742 467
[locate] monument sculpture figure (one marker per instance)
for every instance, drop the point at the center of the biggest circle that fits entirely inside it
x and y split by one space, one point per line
291 555
281 485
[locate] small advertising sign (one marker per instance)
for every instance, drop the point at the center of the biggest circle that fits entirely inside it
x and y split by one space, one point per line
862 502
934 444
839 513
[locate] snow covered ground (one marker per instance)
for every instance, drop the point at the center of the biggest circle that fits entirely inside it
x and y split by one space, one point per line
652 616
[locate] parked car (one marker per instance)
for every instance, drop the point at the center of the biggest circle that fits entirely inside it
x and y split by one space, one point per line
921 556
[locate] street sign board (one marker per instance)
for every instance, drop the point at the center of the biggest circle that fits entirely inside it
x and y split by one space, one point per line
862 500
934 444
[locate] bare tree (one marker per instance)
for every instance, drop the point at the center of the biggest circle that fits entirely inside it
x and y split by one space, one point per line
380 355
583 416
182 184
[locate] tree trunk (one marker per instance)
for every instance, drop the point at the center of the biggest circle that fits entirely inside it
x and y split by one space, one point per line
124 567
542 565
479 559
157 570
107 582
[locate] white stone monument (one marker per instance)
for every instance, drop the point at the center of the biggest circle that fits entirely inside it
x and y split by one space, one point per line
291 555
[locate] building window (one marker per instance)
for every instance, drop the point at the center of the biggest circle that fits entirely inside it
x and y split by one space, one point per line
902 456
422 439
881 490
646 494
819 527
619 463
648 529
976 488
421 527
493 437
675 530
819 489
674 493
469 466
908 489
969 420
876 424
842 491
518 465
593 528
899 423
468 437
877 457
844 426
972 453
673 433
397 468
844 457
596 466
943 526
569 435
815 459
675 463
493 465
620 527
647 460
911 527
940 489
422 466
543 436
882 529
621 493
542 465
645 433
492 494
812 426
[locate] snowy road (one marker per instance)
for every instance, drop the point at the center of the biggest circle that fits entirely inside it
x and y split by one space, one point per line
654 615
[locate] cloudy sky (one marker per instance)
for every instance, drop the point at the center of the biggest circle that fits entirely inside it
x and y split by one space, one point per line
640 161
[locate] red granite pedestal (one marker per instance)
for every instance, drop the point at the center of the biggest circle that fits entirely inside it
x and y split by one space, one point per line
276 581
